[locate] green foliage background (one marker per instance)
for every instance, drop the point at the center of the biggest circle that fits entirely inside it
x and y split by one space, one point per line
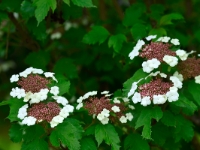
92 53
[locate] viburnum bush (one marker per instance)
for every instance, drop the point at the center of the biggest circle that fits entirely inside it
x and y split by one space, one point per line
86 75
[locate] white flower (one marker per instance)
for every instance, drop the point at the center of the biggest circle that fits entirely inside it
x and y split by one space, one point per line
146 101
170 60
154 63
54 90
177 83
135 51
87 95
104 120
125 99
29 121
105 92
79 106
163 75
17 92
14 78
197 79
26 72
80 99
173 88
35 98
37 71
175 41
51 75
43 94
105 112
53 124
58 119
116 101
133 88
64 112
131 107
159 99
107 95
61 100
70 108
129 116
28 96
146 67
100 116
164 39
178 75
150 37
123 119
115 109
56 35
172 95
182 54
22 112
136 98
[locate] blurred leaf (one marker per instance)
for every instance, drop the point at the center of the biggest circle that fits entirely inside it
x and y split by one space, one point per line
83 3
194 89
158 32
27 9
63 84
144 120
15 133
133 14
135 142
116 41
138 31
68 133
42 8
88 144
167 19
38 59
98 34
156 11
67 2
66 67
108 134
90 130
168 119
10 6
38 144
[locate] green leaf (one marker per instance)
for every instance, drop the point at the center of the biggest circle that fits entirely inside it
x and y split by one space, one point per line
108 134
38 59
167 19
184 129
135 142
168 119
15 133
63 84
138 31
194 89
88 144
116 41
133 14
10 6
187 106
67 2
38 144
68 133
83 3
27 9
66 67
158 32
42 8
144 120
156 11
98 34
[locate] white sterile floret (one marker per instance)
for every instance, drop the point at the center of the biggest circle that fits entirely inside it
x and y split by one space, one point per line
136 98
177 83
64 112
87 95
146 101
123 119
53 124
135 51
115 109
175 41
178 75
116 101
172 95
131 107
51 75
37 71
70 108
14 78
56 35
146 67
80 99
100 116
28 96
22 112
61 100
105 120
197 79
43 94
159 99
150 37
133 88
17 92
79 106
164 39
26 72
29 121
105 112
182 54
129 116
107 95
35 98
170 60
58 119
154 63
125 99
54 90
105 92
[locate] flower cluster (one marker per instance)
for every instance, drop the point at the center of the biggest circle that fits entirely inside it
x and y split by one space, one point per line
158 90
35 90
105 109
157 51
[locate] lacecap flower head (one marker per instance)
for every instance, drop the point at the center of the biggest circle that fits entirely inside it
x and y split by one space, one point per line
104 109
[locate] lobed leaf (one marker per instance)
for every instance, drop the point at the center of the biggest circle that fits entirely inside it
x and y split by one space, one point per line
116 41
83 3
